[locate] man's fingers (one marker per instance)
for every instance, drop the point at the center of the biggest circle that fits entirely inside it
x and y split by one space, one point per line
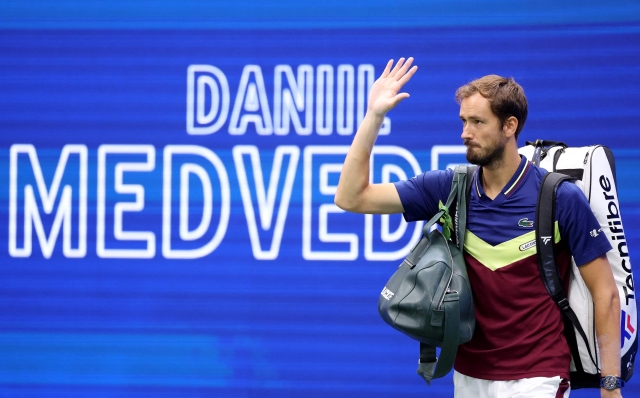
385 73
407 76
405 67
397 67
396 100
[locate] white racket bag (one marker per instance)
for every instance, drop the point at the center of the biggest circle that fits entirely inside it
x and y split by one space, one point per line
594 169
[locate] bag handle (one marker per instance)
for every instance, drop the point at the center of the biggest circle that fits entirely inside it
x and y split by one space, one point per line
455 184
464 175
429 366
541 149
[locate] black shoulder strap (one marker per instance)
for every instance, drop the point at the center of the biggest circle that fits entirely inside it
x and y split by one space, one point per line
462 200
470 171
545 232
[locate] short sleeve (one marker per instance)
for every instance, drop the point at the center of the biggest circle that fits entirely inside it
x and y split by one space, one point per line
420 195
578 225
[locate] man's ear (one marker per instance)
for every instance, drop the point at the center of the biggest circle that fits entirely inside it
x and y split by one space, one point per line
510 125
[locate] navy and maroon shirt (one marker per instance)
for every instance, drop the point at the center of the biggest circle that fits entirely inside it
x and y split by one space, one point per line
519 329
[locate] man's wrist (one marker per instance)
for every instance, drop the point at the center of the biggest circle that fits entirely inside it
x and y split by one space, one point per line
374 115
611 382
617 393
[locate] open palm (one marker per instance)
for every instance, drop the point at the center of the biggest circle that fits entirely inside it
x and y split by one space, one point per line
384 94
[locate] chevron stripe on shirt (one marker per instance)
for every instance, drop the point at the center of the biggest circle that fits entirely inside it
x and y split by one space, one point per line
519 330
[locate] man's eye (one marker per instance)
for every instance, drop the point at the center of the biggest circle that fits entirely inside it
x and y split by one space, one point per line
478 121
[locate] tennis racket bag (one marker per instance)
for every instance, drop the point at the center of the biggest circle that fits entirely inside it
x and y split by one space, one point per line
593 168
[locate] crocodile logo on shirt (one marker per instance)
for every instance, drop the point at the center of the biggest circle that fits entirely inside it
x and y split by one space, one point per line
525 223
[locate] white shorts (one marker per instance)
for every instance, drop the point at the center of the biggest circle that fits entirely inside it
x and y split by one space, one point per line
534 387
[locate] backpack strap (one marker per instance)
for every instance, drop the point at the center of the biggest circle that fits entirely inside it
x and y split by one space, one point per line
545 232
458 199
470 171
463 202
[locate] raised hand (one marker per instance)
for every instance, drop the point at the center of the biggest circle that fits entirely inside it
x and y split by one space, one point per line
384 94
355 193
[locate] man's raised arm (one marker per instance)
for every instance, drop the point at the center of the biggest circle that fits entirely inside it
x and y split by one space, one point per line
354 192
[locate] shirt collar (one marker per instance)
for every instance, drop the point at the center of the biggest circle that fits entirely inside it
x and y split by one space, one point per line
513 184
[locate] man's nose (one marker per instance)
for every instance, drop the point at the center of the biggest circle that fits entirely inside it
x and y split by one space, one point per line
465 133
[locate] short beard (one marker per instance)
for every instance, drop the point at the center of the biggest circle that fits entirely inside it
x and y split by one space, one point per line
491 159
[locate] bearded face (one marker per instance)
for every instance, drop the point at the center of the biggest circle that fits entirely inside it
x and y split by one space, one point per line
487 155
482 131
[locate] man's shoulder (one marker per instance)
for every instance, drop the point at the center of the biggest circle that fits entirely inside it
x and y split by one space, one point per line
538 172
441 174
420 195
567 190
438 178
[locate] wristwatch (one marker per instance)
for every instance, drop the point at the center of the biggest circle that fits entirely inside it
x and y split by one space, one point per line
610 383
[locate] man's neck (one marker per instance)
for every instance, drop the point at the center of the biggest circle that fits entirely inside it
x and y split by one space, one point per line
497 175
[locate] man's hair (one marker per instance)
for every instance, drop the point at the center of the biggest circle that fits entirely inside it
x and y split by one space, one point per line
505 96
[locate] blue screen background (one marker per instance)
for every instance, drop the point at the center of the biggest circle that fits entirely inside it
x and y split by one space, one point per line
229 323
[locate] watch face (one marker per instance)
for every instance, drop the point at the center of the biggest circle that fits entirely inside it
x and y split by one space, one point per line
610 382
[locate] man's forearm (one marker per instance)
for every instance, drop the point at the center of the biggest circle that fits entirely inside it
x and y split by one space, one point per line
354 178
607 312
354 192
599 279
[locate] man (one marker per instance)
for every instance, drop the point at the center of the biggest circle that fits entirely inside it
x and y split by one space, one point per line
518 348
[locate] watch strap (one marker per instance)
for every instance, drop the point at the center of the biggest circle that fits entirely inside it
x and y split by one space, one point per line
607 382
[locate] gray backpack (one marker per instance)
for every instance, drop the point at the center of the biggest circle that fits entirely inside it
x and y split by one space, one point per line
429 297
